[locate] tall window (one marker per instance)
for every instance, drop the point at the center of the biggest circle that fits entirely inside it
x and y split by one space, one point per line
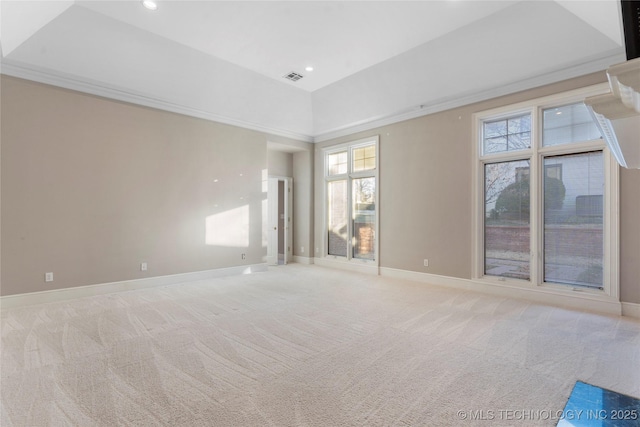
573 220
507 219
351 211
546 189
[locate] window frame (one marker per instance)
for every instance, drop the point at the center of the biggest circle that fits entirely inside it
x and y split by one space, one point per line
536 155
349 176
507 117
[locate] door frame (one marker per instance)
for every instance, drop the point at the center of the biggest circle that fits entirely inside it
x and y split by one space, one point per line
272 219
349 177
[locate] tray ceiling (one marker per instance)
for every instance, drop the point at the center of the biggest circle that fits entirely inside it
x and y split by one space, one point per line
239 52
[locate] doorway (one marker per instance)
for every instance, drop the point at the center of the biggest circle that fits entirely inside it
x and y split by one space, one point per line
280 221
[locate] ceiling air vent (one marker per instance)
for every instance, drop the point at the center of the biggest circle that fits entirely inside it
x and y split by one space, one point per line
293 76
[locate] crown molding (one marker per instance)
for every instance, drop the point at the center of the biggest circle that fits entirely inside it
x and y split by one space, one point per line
576 70
71 82
91 87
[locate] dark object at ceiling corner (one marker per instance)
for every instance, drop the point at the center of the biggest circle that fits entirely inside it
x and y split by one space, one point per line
631 27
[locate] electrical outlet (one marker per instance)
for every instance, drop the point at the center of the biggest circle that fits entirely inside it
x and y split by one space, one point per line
301 249
48 277
244 256
426 262
143 266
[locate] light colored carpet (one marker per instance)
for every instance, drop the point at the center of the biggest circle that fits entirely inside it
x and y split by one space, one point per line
305 346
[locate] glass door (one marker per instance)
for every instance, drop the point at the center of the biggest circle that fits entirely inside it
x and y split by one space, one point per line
351 185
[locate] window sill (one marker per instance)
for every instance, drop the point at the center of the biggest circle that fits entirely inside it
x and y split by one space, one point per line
367 267
548 290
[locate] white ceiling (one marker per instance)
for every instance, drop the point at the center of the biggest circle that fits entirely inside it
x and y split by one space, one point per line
275 38
226 60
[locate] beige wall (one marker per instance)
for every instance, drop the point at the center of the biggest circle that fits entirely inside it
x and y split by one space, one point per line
426 192
280 163
630 235
303 203
92 187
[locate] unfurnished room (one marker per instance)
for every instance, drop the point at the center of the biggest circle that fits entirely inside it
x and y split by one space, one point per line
320 213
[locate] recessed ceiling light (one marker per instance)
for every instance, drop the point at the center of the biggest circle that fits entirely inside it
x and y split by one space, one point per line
150 4
309 68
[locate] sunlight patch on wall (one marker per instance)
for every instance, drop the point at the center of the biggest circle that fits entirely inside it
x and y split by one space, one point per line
265 180
265 216
229 228
265 222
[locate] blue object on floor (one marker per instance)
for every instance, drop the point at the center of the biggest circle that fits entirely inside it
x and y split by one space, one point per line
591 406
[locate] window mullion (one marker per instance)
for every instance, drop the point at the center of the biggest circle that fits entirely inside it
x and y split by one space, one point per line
537 230
555 150
350 204
506 156
364 174
537 218
350 218
336 178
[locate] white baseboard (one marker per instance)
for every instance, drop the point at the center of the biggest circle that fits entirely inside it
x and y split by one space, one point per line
364 267
54 295
631 309
583 302
302 260
579 302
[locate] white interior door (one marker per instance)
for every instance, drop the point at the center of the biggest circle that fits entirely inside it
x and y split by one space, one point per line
288 220
272 222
